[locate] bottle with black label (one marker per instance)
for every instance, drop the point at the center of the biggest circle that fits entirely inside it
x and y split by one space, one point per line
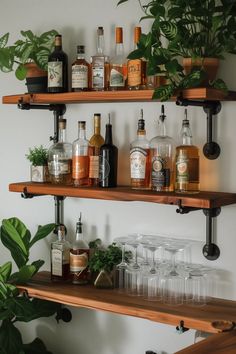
139 158
108 160
80 71
162 149
60 256
58 68
79 256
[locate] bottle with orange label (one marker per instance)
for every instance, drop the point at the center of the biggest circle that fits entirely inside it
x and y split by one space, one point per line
79 257
80 157
136 67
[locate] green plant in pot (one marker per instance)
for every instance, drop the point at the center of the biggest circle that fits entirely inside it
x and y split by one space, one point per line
14 306
38 156
28 57
201 33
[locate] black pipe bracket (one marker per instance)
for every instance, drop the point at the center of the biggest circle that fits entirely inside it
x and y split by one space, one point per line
211 149
210 250
184 209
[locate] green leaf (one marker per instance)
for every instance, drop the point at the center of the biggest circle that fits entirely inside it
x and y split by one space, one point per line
21 72
219 84
121 2
5 271
48 37
35 347
6 59
28 34
173 67
25 274
41 58
4 40
27 53
194 79
42 232
169 30
10 338
164 92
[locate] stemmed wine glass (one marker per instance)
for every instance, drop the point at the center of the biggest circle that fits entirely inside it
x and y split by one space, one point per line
122 266
133 274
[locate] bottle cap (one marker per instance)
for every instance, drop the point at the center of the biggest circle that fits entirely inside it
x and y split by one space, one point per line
100 31
119 35
141 121
185 120
62 123
58 40
81 124
80 49
162 116
137 34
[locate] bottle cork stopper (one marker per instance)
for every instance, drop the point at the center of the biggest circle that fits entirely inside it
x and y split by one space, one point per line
62 123
119 35
58 40
137 34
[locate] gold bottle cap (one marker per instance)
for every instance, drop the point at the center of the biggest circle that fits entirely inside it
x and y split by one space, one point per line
97 119
62 123
58 40
119 35
137 34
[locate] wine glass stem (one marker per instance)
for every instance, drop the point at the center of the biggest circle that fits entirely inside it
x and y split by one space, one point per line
123 253
135 257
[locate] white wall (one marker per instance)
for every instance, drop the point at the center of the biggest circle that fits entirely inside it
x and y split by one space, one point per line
94 331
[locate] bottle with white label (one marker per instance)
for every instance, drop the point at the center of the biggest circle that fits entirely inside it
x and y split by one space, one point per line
99 65
79 257
80 71
118 66
140 158
60 256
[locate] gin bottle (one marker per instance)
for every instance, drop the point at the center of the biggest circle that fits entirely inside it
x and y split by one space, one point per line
100 66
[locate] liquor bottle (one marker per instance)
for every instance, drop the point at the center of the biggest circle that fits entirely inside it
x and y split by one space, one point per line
80 71
187 162
118 67
108 160
95 143
140 158
60 256
100 65
136 68
161 155
80 157
58 68
60 158
79 257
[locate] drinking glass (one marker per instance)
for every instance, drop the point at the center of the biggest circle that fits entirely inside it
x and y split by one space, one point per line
133 274
195 287
122 266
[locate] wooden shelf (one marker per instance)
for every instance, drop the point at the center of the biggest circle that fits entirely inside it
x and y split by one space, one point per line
201 200
217 316
113 96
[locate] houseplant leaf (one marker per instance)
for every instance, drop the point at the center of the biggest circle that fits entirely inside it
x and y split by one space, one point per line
35 347
4 40
42 232
21 72
5 271
10 338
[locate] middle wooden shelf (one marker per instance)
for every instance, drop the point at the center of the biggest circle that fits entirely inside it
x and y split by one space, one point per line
202 200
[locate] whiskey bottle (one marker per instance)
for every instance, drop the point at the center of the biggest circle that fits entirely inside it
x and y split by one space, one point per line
60 158
79 257
161 155
80 157
80 71
118 67
140 158
187 162
108 160
100 65
58 68
60 256
95 143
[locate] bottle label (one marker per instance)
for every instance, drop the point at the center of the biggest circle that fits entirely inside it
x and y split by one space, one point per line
79 262
55 74
138 157
116 78
134 72
79 76
57 261
98 75
80 167
94 167
182 173
59 167
160 174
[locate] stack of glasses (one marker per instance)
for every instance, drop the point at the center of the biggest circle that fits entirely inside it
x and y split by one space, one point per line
160 277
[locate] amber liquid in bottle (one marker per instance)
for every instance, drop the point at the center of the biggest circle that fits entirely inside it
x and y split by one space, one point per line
118 67
60 263
80 71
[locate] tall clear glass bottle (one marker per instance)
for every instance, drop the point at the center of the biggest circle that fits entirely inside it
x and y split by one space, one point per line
100 65
95 143
60 158
60 256
79 256
118 67
140 158
162 149
80 157
187 161
80 71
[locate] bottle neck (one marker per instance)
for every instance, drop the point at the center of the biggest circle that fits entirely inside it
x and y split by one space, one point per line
108 136
79 232
62 135
186 135
100 44
141 134
61 236
119 50
82 134
80 56
58 48
162 128
97 130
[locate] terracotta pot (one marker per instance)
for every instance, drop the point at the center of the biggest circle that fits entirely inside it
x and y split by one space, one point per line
210 65
36 78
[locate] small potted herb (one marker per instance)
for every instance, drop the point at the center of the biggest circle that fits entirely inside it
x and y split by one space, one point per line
38 156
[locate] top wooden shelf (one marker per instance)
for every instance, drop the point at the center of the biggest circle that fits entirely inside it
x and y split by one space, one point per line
114 96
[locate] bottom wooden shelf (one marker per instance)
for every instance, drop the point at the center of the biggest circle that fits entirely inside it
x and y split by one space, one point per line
217 316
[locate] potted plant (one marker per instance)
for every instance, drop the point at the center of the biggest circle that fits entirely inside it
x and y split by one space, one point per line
201 33
14 306
28 56
38 156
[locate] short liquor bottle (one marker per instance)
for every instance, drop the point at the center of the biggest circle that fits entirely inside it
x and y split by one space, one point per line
100 65
80 157
118 67
60 158
187 162
108 160
80 71
162 149
79 256
136 68
58 68
60 256
140 158
95 143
